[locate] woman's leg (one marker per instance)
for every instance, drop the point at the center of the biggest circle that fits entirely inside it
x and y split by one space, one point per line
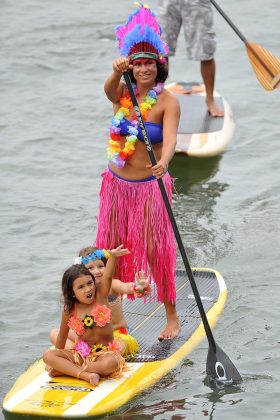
161 254
172 327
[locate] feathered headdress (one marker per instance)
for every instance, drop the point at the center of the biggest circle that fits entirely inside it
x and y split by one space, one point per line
140 36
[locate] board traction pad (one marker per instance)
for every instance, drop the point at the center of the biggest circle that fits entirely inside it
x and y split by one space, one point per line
67 397
147 328
195 118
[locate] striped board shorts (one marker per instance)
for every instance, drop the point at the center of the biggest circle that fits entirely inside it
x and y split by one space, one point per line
196 18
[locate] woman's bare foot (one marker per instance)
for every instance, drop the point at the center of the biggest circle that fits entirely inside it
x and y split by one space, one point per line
171 329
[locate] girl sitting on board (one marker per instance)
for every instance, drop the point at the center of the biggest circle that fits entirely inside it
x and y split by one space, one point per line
95 260
86 311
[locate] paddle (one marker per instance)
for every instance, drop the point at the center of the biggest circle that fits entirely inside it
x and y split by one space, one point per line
265 65
218 365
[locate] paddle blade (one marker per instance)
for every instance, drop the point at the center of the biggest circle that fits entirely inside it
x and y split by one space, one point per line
265 65
220 368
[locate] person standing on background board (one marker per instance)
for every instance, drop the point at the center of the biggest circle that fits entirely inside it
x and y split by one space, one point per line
196 17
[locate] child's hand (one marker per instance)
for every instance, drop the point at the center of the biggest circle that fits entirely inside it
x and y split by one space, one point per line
141 280
119 251
142 285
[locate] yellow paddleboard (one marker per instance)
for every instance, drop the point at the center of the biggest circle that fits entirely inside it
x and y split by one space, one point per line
199 134
35 393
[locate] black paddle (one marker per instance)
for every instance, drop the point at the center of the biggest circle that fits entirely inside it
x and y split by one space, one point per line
218 365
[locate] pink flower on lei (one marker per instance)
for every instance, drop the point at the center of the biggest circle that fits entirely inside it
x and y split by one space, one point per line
76 325
114 347
102 315
82 348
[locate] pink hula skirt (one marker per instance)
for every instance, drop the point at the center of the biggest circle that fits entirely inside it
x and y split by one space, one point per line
133 213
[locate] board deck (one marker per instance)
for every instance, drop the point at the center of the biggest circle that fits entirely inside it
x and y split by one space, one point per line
35 393
199 134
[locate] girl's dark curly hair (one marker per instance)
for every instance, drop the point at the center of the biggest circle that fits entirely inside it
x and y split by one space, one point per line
68 278
162 73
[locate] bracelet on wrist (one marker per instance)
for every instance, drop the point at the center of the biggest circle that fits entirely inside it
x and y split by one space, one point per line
141 292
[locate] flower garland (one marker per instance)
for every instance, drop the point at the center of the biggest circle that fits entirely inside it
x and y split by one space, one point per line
98 254
100 316
84 349
115 154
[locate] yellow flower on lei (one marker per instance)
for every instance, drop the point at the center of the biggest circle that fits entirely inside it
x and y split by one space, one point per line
124 111
145 107
98 347
88 321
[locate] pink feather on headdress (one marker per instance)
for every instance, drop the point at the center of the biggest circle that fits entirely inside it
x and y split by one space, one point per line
141 26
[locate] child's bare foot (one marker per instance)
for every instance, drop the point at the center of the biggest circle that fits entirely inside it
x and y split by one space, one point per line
92 378
52 372
171 329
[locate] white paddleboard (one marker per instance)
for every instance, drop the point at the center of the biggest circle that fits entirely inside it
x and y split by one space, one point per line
199 134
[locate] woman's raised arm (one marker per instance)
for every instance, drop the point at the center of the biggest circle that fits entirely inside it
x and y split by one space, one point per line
113 86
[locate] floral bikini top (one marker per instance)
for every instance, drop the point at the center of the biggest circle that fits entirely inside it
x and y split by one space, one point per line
99 316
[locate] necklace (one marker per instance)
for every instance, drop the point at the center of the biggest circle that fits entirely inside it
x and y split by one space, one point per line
115 154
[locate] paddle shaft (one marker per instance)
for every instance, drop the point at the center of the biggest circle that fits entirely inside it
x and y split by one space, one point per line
242 37
171 216
236 30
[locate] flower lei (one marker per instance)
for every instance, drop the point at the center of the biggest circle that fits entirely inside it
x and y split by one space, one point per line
115 154
84 349
100 316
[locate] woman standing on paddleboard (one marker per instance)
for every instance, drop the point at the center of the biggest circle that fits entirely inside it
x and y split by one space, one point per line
132 211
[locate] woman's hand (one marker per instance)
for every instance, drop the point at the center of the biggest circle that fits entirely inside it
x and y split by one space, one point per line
121 64
119 251
114 86
159 169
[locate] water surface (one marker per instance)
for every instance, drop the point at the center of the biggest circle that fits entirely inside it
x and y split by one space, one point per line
53 121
